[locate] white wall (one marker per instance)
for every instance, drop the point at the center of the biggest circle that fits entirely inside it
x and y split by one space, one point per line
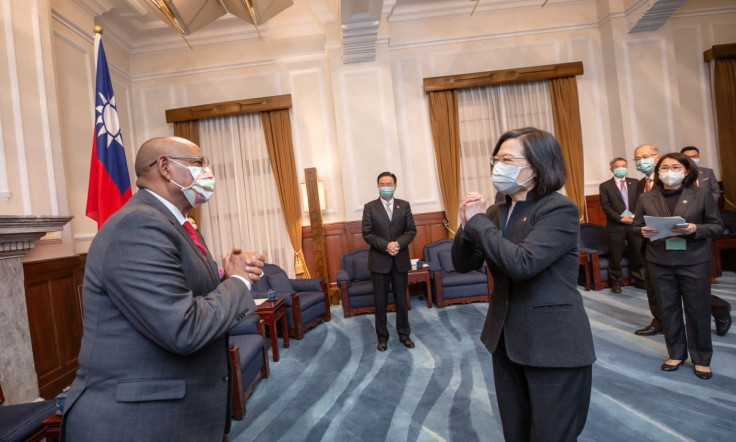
354 121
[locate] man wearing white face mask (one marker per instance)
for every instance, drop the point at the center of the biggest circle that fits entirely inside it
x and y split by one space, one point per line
153 363
618 201
388 227
706 177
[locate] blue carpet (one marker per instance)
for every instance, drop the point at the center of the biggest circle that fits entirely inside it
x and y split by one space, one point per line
333 385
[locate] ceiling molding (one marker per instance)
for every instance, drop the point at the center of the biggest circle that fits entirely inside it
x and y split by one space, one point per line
419 11
359 22
96 7
650 15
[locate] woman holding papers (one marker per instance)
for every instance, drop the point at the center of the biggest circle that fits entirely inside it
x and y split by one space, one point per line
680 262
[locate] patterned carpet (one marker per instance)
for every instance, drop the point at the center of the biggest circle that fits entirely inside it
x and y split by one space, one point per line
333 385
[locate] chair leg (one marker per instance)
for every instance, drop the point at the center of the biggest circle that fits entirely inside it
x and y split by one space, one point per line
238 395
328 314
345 297
596 271
296 315
438 289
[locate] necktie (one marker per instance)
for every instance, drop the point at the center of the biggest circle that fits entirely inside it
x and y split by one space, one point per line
625 194
193 234
649 184
389 210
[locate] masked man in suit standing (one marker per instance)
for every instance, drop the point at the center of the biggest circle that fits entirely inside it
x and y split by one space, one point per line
153 364
388 227
618 201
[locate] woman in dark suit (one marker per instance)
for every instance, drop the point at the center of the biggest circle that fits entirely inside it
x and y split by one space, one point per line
536 327
680 266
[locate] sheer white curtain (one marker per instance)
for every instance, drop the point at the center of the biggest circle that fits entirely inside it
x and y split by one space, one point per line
487 112
245 209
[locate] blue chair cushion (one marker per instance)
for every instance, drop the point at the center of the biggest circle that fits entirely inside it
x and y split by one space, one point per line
360 288
445 258
460 279
278 279
356 264
20 421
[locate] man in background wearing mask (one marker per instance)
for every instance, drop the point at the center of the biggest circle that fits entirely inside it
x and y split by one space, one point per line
706 177
719 308
646 157
618 201
388 227
153 363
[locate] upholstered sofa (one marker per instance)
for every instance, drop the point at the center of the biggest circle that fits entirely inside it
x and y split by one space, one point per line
356 285
307 302
594 242
449 286
24 422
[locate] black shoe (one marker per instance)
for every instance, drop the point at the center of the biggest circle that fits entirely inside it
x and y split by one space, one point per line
703 374
408 343
616 289
648 331
382 346
722 325
639 283
670 367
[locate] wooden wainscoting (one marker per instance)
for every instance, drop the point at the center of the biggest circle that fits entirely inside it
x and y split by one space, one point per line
346 236
595 213
53 299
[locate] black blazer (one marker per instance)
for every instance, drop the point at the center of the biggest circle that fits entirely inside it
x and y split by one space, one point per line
534 261
378 231
707 180
696 205
612 202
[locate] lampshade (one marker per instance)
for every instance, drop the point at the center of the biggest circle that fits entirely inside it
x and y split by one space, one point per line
320 192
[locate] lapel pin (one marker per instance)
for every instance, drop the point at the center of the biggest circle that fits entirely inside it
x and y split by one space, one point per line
684 201
523 220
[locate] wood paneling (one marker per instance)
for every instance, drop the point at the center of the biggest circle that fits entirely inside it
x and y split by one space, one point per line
595 213
504 76
227 108
53 298
346 236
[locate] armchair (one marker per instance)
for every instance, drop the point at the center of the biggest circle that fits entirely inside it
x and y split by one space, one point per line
724 245
24 422
356 285
248 362
594 243
451 287
307 302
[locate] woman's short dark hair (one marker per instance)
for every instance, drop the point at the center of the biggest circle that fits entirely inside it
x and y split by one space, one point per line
544 154
686 162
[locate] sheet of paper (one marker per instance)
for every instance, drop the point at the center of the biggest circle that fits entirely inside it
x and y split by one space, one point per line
664 224
260 301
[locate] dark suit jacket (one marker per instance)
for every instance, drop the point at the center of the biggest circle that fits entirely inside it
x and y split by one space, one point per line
696 205
378 231
612 202
534 261
153 364
707 180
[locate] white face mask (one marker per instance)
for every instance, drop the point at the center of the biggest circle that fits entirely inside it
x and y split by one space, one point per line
696 160
202 187
671 178
504 178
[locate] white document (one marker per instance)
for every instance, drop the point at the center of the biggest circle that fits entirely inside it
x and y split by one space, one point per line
664 224
260 301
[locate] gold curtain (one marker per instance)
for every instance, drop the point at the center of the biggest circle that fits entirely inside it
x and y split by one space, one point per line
277 128
443 117
187 129
724 85
564 96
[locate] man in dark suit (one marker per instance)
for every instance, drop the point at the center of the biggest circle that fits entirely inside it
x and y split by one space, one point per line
719 308
388 227
618 201
153 363
646 157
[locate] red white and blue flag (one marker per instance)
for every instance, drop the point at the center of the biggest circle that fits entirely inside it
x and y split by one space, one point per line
109 183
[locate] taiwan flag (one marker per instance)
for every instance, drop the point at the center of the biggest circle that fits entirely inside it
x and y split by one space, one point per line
109 183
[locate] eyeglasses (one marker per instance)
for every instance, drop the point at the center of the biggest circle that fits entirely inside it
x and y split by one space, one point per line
674 168
197 161
505 160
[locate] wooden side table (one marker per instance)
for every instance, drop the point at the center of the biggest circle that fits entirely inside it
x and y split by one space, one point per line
418 276
269 313
52 424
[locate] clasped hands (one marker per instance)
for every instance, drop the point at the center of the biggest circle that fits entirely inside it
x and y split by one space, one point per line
392 248
249 265
648 232
473 204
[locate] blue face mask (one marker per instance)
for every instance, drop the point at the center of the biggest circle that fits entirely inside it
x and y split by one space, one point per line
620 172
645 165
386 192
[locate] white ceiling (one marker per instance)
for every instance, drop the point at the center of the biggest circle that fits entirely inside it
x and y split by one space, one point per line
136 29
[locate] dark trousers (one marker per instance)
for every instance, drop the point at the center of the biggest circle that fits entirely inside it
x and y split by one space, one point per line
619 241
689 287
652 297
395 282
540 404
